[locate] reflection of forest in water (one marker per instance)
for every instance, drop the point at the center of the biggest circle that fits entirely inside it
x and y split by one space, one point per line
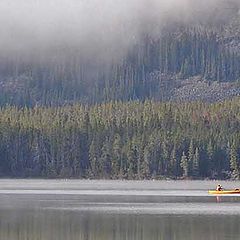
69 225
117 210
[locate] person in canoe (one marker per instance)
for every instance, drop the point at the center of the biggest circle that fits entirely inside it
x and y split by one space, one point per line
219 187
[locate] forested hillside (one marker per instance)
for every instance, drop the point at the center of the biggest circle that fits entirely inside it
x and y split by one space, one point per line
122 140
156 67
120 89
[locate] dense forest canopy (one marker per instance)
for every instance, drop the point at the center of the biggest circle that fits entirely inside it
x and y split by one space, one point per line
131 140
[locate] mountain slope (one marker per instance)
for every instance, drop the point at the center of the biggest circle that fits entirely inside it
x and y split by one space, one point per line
157 66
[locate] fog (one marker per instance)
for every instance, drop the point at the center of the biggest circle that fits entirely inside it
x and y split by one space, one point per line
95 27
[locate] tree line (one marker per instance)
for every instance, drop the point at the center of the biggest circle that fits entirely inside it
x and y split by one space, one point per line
117 140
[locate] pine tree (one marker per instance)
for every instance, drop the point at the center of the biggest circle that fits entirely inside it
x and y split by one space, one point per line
173 162
133 156
196 159
94 158
210 160
191 157
105 160
165 157
234 165
184 165
117 161
145 168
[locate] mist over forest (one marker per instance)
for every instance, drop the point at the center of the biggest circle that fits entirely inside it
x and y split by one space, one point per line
61 52
94 28
137 89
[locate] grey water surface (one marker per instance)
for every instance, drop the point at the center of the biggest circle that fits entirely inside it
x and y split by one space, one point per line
117 210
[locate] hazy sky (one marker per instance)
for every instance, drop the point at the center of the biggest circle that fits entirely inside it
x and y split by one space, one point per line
96 26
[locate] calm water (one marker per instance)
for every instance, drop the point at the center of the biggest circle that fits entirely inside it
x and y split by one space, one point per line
102 210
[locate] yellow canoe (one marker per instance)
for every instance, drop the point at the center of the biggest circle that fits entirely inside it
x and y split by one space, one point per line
235 191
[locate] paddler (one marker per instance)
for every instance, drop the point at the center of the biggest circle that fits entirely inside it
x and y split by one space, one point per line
219 187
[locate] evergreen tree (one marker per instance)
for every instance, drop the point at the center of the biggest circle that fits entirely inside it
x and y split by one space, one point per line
184 165
117 162
94 158
105 160
210 154
196 159
234 162
173 162
191 157
145 168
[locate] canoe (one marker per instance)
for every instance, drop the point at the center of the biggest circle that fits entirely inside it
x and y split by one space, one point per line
235 191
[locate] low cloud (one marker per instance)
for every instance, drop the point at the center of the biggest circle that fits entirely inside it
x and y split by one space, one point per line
94 27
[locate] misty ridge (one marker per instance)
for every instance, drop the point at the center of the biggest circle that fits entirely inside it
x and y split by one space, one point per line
61 52
96 29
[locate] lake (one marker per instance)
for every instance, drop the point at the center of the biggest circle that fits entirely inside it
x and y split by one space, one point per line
119 210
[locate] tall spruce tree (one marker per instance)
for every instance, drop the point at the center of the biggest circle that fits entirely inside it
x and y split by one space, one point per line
234 162
184 165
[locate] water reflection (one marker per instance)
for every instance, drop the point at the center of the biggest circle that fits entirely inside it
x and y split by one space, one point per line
64 225
110 210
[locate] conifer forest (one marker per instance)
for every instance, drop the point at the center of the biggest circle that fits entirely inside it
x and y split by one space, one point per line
133 140
165 107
